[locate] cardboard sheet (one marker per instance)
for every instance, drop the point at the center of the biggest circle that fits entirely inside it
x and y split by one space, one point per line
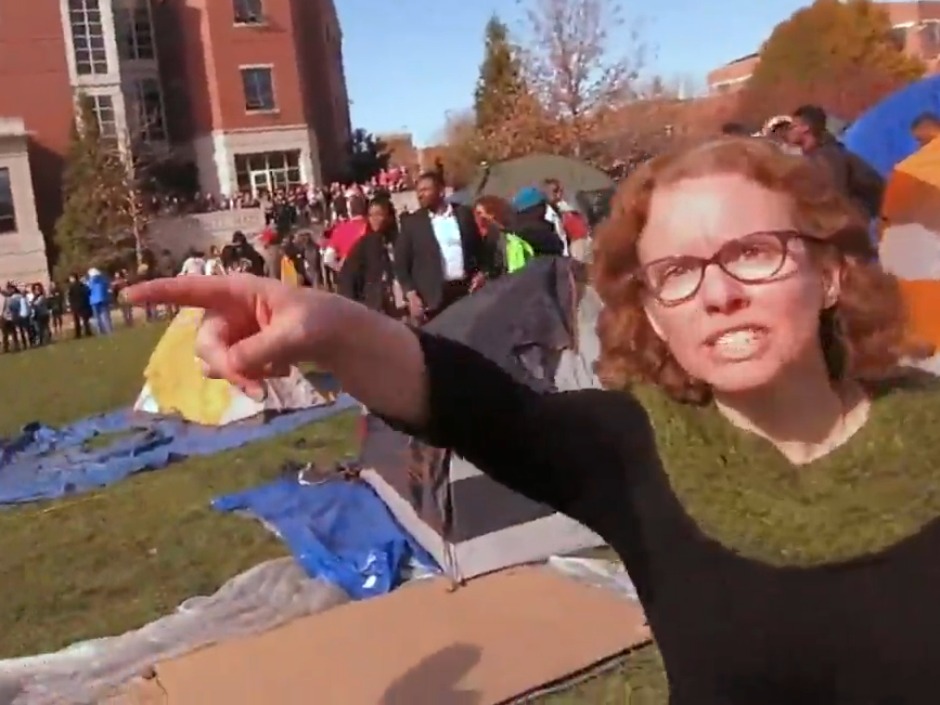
497 638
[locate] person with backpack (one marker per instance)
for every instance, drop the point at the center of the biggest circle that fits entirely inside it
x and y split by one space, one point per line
513 234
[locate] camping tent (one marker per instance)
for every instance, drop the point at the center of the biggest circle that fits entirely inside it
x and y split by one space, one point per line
910 241
882 135
505 178
538 325
174 383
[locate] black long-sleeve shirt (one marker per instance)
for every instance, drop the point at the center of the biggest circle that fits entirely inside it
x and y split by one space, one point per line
755 606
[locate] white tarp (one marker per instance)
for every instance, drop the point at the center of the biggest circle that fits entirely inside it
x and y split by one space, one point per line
259 599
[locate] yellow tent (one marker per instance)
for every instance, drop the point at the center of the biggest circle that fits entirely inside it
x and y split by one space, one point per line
175 385
910 239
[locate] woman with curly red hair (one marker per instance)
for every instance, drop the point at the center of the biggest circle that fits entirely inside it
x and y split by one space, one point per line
756 462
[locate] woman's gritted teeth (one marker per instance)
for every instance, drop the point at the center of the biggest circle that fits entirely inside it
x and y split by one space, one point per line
738 343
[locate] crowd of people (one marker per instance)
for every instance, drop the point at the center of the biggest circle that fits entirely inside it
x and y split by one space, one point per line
311 203
33 316
349 239
806 131
408 264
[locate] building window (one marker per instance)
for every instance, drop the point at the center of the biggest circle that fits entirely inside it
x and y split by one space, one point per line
931 39
898 37
134 31
87 37
103 107
149 102
247 11
7 211
259 88
267 171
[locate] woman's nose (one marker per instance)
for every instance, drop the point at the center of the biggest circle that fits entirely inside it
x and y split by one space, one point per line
722 293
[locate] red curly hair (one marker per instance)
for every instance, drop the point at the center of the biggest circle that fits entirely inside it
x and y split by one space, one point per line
864 336
497 208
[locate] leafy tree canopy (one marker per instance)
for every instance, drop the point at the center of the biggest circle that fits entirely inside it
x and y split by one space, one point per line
501 80
368 155
842 55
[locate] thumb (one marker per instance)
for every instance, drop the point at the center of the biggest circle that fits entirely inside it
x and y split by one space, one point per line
255 356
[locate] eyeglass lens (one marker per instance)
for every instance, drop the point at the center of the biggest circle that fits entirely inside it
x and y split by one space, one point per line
750 259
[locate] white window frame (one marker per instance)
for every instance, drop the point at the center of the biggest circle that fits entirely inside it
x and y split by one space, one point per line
129 20
244 72
87 31
900 35
106 129
7 202
932 29
248 13
245 172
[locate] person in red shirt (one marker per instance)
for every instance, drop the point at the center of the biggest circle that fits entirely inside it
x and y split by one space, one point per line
347 233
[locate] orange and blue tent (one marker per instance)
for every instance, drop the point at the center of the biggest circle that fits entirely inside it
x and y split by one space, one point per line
909 244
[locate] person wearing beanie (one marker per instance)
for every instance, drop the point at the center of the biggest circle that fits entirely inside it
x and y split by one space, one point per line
532 225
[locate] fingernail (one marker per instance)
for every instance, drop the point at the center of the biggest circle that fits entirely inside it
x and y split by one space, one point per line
255 392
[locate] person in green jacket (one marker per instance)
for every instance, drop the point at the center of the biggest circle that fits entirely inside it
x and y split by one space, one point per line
512 238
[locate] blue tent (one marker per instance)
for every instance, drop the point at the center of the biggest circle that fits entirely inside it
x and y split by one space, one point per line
882 135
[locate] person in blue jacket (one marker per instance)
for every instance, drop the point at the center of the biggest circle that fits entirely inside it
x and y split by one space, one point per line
99 296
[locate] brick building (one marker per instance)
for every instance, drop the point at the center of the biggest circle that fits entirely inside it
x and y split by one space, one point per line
916 30
251 92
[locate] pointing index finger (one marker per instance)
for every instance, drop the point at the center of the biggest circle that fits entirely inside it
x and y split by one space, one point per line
189 291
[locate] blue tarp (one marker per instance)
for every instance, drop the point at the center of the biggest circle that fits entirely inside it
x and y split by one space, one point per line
46 463
882 135
338 530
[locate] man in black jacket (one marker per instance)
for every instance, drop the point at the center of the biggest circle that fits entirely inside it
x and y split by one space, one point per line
248 253
438 251
851 174
79 299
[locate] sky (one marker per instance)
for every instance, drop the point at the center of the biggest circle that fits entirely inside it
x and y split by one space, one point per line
410 62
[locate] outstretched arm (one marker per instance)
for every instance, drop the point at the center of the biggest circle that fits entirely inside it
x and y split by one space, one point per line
565 450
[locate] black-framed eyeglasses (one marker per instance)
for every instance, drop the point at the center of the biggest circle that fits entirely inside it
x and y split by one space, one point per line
752 259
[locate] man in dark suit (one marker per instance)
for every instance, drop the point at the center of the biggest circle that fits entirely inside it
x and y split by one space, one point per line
438 251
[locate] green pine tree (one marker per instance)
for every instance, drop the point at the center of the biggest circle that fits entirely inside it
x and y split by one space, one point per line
501 80
95 228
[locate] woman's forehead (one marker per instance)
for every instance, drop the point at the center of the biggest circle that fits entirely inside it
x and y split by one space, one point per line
696 216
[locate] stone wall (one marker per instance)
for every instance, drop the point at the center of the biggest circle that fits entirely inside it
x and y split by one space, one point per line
202 230
23 250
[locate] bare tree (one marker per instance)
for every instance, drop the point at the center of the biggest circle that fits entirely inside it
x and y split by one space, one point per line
572 66
133 193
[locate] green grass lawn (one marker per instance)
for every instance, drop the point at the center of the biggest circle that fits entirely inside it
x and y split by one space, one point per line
108 561
112 560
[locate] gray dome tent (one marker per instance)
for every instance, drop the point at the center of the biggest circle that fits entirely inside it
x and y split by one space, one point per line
583 183
538 325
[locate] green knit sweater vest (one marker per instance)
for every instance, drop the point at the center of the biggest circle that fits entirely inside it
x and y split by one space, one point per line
880 487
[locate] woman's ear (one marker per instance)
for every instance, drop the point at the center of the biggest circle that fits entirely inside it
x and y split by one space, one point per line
832 285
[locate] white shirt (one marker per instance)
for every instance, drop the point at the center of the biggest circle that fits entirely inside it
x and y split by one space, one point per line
213 267
447 233
193 265
551 215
